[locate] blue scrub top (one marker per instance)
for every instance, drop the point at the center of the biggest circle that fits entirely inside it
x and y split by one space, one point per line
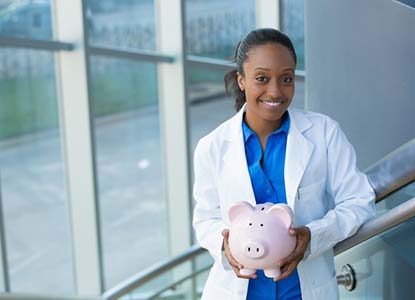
269 186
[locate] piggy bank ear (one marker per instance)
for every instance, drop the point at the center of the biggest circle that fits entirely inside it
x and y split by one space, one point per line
239 209
284 212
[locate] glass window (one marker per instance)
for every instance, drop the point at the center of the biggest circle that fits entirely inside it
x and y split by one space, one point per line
130 166
122 24
26 18
32 175
292 23
208 104
213 28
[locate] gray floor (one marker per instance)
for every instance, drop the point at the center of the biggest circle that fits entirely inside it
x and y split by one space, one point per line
130 180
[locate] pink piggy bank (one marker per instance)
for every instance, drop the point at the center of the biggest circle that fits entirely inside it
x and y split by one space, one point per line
259 238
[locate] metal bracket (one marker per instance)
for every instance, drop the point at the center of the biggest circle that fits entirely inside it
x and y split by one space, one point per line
347 278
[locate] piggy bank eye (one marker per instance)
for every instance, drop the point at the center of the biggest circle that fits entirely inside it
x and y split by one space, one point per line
263 208
250 224
262 225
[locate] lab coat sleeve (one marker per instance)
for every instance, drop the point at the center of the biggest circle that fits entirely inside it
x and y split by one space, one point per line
354 198
207 219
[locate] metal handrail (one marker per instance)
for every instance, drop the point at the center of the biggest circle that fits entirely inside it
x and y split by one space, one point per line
375 226
152 272
394 166
393 171
177 282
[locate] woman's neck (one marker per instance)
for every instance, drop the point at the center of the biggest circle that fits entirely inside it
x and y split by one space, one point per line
261 127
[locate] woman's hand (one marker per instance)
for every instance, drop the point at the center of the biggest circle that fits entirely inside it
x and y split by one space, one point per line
233 263
289 263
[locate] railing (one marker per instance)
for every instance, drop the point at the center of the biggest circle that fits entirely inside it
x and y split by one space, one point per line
387 176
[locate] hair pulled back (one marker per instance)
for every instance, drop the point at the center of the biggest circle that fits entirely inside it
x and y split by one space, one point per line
253 39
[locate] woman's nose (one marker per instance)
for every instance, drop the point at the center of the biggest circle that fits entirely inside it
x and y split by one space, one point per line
274 90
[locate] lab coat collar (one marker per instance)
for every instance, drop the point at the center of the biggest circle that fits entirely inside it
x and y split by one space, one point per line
298 153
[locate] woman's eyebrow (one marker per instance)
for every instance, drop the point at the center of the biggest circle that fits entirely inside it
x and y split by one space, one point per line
267 69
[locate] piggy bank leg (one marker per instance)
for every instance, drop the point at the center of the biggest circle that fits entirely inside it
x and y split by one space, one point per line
272 273
247 272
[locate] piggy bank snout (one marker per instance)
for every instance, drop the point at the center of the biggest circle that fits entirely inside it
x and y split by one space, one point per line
254 249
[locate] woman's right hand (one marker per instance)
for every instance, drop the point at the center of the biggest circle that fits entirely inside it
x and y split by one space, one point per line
232 262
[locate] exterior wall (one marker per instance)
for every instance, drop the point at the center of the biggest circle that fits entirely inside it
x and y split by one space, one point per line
360 66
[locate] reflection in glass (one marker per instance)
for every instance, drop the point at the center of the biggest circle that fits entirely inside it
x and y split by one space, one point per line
122 24
26 19
292 23
129 166
213 28
32 175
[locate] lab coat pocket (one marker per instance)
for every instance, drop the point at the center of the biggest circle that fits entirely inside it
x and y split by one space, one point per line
310 203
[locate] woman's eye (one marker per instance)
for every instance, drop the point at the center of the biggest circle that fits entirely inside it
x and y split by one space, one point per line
287 80
261 79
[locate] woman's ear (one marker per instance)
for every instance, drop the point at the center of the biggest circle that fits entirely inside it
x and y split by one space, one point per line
241 81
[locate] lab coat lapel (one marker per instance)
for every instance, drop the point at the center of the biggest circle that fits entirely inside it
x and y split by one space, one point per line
298 153
235 165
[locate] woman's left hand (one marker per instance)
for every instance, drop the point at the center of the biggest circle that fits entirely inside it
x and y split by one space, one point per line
289 263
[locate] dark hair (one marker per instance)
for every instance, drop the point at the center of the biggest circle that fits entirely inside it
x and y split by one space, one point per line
253 39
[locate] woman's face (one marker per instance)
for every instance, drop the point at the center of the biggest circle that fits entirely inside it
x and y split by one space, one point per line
268 83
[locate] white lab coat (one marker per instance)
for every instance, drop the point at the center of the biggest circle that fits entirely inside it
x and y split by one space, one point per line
323 186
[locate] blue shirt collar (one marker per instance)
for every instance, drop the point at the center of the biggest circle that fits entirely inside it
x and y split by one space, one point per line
285 125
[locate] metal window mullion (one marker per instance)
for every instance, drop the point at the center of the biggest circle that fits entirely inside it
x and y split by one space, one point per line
268 14
174 120
28 43
3 246
141 55
77 135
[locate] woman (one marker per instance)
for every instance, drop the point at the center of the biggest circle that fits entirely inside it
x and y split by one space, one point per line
270 153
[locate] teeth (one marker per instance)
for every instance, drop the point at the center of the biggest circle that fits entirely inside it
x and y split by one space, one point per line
272 103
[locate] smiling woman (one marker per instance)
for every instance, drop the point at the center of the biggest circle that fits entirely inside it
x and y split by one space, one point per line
269 86
267 153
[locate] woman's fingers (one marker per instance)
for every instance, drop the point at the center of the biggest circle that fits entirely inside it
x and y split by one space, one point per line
236 267
286 270
289 263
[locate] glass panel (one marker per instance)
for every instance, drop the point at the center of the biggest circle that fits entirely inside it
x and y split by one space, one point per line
208 106
292 23
129 165
384 265
189 276
213 28
122 24
396 198
26 19
32 175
